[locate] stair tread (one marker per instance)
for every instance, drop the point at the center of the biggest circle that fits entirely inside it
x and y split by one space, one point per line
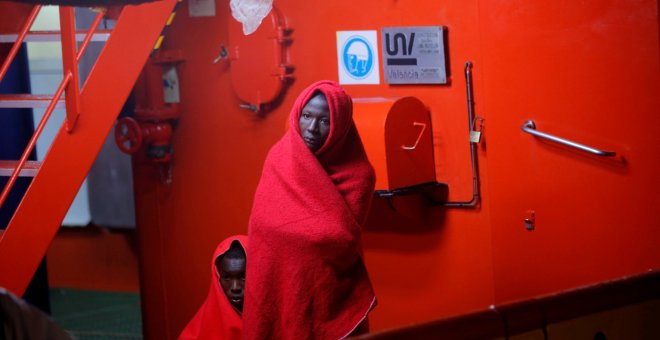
28 101
46 36
29 169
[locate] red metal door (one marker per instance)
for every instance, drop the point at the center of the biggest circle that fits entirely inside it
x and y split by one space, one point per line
586 71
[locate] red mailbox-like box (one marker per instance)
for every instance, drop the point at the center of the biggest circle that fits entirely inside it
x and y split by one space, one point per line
396 133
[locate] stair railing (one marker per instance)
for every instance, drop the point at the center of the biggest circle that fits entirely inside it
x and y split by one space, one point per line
69 84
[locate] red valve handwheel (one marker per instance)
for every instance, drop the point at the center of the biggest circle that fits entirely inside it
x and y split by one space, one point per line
128 135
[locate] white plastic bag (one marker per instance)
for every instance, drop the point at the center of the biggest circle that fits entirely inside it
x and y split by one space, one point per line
250 13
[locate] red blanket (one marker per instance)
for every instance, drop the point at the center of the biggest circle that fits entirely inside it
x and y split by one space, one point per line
306 277
216 319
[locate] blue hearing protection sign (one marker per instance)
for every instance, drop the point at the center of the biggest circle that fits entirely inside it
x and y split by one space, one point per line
357 55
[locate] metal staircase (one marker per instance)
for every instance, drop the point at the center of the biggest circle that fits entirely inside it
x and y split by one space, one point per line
91 111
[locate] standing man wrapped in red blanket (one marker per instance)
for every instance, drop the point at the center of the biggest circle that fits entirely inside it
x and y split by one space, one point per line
306 278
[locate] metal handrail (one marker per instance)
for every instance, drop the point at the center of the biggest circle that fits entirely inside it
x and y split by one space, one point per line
530 127
70 79
69 64
90 34
70 59
33 140
19 41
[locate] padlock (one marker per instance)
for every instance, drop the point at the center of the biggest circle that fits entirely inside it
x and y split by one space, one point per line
475 133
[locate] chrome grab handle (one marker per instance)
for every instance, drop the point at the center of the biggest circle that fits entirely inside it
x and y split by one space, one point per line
421 133
530 128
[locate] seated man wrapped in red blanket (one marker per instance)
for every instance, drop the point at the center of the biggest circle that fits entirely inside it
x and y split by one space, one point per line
307 278
220 315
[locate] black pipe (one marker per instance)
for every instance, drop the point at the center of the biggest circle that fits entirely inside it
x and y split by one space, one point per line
473 146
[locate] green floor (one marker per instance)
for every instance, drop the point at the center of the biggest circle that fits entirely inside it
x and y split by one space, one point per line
97 315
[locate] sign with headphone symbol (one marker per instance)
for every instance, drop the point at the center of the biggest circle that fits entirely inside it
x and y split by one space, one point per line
357 55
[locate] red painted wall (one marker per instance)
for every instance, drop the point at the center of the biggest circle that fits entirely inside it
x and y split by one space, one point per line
94 259
593 65
588 72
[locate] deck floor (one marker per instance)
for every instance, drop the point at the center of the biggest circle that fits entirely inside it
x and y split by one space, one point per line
97 315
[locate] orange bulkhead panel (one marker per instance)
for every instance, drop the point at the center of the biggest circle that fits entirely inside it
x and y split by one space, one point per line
397 137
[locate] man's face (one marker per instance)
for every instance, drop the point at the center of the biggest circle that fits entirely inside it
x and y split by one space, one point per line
314 122
232 280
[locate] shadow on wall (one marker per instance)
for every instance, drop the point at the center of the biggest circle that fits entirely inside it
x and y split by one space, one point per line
411 215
